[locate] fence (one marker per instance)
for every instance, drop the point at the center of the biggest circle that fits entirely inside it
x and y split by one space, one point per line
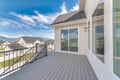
15 59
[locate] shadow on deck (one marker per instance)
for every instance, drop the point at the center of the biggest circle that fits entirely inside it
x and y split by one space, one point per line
56 66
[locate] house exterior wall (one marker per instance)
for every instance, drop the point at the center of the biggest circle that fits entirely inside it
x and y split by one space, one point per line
22 42
82 5
100 68
104 71
3 45
90 7
81 43
8 48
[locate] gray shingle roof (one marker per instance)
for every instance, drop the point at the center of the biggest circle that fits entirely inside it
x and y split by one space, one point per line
64 17
49 41
31 39
1 42
79 15
76 15
15 46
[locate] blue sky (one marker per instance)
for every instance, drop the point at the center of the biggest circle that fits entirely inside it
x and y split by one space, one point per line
32 17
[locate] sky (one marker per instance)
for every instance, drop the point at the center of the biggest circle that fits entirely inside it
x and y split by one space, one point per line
32 17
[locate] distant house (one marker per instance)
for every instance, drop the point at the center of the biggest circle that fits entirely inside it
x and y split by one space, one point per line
13 46
50 44
30 41
5 44
1 42
16 47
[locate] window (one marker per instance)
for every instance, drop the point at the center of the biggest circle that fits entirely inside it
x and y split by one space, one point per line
98 43
64 40
98 32
116 37
73 38
69 40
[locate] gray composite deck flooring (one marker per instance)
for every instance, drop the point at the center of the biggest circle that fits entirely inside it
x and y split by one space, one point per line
56 66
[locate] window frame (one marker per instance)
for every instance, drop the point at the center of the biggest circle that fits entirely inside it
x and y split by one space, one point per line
69 38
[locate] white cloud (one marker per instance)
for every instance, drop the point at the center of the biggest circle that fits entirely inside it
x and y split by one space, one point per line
23 17
13 24
63 8
42 18
46 19
4 23
76 7
8 36
37 20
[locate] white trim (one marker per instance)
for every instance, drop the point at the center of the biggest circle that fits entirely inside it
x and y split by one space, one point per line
108 29
101 71
70 23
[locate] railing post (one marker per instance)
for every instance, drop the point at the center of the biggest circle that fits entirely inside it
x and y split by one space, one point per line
45 50
36 48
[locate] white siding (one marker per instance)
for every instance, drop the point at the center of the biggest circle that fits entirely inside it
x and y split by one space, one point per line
90 8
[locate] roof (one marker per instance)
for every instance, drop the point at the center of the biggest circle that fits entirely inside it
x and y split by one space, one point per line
63 17
31 39
1 42
15 46
49 41
76 15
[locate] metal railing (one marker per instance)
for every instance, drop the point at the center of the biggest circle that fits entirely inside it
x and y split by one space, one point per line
15 59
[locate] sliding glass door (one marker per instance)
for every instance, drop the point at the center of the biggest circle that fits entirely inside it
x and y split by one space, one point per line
69 40
116 27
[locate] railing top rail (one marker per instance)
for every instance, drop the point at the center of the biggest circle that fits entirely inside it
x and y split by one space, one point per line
40 45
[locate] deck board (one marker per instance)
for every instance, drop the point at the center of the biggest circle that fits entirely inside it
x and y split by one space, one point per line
56 66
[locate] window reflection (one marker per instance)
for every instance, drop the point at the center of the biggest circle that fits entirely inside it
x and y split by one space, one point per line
116 27
69 40
98 32
64 40
73 37
99 42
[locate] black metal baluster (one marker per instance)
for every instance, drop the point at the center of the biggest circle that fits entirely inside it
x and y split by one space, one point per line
32 53
13 61
20 59
45 50
4 62
17 58
9 60
23 57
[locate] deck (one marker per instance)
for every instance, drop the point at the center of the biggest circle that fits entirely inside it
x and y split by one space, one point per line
56 66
